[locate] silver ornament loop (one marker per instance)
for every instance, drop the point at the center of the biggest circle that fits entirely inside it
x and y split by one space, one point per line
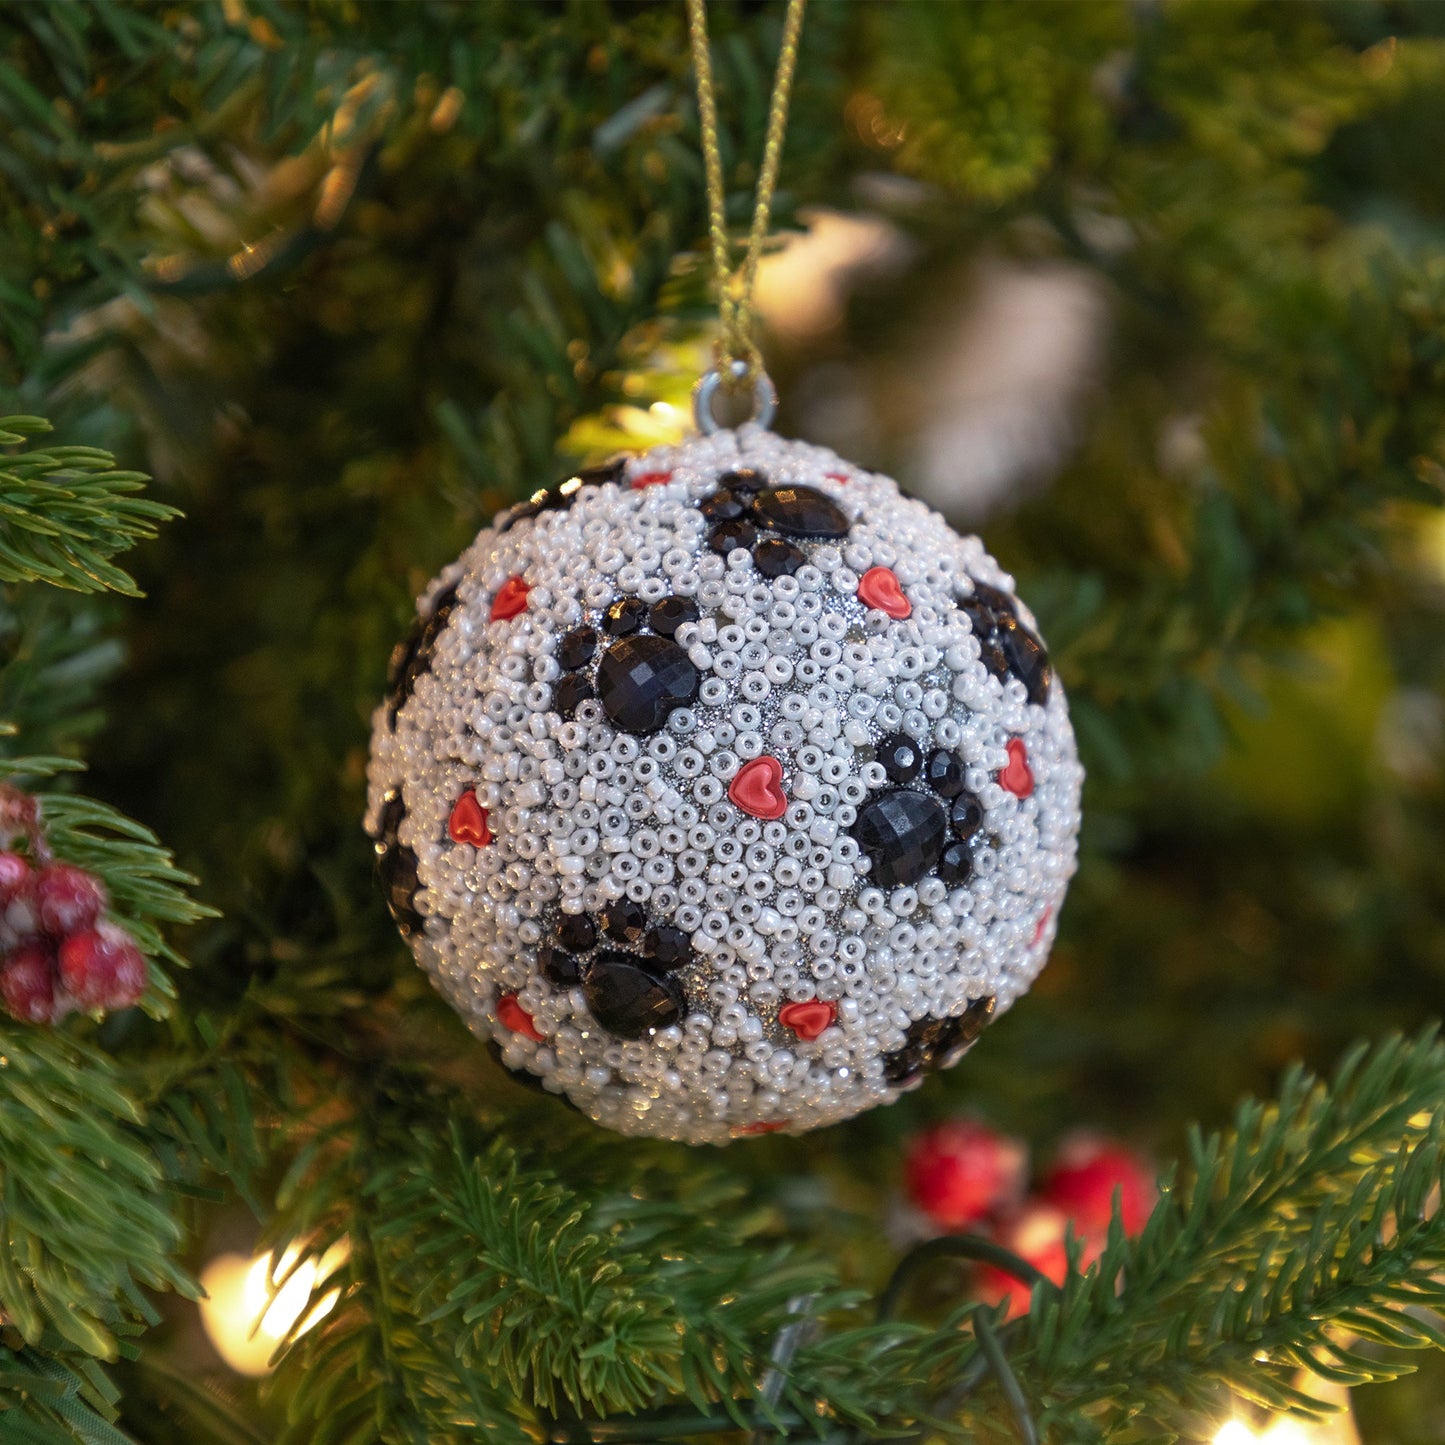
765 397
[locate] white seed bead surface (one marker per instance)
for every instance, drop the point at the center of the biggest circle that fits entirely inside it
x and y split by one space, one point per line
779 910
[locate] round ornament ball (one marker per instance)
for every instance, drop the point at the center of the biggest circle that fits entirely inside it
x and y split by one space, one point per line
725 789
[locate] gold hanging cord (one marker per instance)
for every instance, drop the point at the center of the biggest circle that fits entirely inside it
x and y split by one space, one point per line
738 361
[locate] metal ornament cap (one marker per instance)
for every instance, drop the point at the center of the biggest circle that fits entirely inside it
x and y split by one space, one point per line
704 395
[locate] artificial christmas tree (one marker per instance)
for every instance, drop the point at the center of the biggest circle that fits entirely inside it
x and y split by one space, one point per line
341 282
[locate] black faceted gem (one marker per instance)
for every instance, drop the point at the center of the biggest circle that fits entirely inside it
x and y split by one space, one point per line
800 511
1026 658
667 947
671 613
642 680
937 1043
980 618
523 1077
777 558
505 521
903 832
956 865
629 1001
560 497
723 506
396 867
729 536
613 471
624 921
570 691
974 1020
993 599
901 757
624 617
412 656
576 648
994 657
746 480
559 966
945 773
966 816
576 932
388 822
527 1079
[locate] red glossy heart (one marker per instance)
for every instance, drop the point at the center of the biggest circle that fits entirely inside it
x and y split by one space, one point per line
808 1020
1041 927
511 1014
763 1126
511 598
468 822
837 477
650 479
757 788
1017 778
879 588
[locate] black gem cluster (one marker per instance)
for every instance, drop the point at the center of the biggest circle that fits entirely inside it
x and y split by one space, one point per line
625 965
643 676
560 498
747 512
396 866
932 1044
909 833
1009 648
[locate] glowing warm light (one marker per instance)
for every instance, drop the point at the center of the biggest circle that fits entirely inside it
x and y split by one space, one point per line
1235 1432
247 1313
1284 1431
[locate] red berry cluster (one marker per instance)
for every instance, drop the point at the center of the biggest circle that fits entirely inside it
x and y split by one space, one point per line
963 1175
58 953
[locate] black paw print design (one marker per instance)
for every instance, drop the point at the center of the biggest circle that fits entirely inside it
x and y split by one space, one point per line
643 675
933 1044
747 512
624 964
412 656
1009 648
909 833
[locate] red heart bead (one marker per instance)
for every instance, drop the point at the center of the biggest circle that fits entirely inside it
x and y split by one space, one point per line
837 476
879 588
1017 778
650 479
757 788
1041 927
511 598
511 1014
468 822
763 1126
808 1020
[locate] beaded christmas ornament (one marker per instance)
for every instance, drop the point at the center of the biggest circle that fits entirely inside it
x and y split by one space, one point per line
725 789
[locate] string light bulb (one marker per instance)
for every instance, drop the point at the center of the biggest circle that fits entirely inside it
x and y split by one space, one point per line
251 1304
1337 1429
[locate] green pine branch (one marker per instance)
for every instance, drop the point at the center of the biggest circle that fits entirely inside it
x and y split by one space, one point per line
67 510
82 1243
47 1401
1307 1236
